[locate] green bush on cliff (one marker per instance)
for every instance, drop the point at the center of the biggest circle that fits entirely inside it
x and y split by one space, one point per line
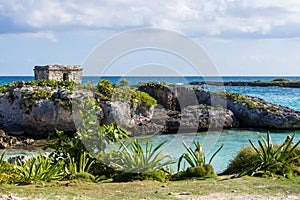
122 92
159 85
252 104
127 94
105 87
51 83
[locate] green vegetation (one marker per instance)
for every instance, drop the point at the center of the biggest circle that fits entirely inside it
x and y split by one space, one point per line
7 171
133 158
267 159
159 85
105 88
40 168
40 89
123 82
197 162
80 168
258 104
122 92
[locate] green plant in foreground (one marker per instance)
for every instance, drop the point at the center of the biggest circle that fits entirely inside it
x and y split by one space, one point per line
197 161
40 168
133 158
195 157
79 169
273 159
7 171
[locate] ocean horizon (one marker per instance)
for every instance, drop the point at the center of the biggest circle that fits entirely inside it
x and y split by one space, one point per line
168 79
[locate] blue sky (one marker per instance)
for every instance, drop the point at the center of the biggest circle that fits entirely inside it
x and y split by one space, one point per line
245 37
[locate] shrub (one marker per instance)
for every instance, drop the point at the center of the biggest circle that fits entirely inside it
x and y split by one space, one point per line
241 161
81 166
145 99
195 157
40 168
267 159
82 176
133 158
203 171
123 82
7 172
105 87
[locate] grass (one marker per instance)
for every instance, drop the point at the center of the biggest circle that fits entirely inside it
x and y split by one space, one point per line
220 187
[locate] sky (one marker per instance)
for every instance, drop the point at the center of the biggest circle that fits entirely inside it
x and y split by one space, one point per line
241 37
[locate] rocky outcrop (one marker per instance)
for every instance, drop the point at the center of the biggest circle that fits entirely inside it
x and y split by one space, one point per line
246 111
136 119
7 141
21 113
195 118
290 84
38 111
263 114
175 97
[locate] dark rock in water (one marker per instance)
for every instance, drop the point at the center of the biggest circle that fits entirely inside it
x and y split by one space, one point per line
17 159
290 84
194 118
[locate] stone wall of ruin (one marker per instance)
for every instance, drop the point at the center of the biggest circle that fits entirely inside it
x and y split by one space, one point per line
56 72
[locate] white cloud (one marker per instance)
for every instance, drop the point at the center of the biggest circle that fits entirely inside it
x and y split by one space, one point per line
220 18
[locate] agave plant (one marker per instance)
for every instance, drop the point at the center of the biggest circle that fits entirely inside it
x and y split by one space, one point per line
133 158
272 159
83 166
40 168
195 157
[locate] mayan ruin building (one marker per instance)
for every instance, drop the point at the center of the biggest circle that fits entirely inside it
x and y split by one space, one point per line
58 73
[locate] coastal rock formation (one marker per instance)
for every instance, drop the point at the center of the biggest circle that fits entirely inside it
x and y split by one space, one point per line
246 111
175 97
203 117
255 112
7 141
136 119
21 111
290 84
39 110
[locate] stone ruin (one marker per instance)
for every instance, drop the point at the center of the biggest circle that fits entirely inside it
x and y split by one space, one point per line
58 73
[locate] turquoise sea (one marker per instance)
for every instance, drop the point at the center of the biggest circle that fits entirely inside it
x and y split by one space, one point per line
233 139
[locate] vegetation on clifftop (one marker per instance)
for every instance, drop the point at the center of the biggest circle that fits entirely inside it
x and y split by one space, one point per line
122 92
250 102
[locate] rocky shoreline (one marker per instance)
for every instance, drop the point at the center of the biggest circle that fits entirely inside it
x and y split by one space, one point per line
290 84
178 109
